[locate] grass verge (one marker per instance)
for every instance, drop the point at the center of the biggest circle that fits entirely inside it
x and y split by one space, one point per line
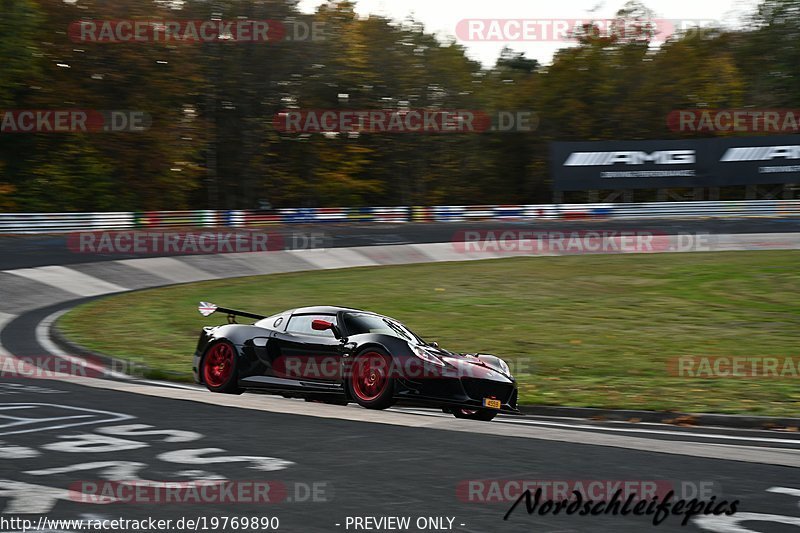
590 331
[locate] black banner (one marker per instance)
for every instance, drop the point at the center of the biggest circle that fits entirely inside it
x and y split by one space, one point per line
579 166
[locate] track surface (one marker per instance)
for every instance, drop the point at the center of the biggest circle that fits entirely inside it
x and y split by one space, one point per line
39 250
404 462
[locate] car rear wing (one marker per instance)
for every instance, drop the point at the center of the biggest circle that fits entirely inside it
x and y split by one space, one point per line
208 309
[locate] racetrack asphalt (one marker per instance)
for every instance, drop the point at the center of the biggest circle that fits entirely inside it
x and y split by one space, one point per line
27 251
403 462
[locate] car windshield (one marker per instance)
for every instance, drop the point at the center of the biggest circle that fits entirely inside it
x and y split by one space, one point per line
358 323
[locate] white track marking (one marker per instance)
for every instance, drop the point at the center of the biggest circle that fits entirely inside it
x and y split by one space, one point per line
110 417
169 384
111 470
437 254
19 388
146 430
68 280
169 268
731 524
196 457
5 318
334 258
447 251
786 490
93 443
12 451
43 329
43 338
24 421
29 498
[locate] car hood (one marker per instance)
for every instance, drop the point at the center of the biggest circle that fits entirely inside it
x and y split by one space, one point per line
481 366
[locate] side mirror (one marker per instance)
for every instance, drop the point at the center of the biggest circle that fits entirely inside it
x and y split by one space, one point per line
321 325
433 344
324 325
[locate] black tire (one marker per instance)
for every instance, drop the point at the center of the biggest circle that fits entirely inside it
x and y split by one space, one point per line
372 366
220 368
484 415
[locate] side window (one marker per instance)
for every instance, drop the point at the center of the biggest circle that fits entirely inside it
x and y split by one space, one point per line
301 325
276 322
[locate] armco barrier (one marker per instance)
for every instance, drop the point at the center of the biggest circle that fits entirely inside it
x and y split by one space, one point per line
12 223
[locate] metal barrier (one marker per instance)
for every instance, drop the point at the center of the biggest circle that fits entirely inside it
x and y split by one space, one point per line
14 223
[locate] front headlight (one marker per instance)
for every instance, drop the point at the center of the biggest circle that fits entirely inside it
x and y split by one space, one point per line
496 363
426 356
503 367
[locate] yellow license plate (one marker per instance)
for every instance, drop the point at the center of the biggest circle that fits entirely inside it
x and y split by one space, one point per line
493 404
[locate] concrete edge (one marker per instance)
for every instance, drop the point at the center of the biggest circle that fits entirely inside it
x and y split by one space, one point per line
664 417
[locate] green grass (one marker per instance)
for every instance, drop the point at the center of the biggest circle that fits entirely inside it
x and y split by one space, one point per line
591 331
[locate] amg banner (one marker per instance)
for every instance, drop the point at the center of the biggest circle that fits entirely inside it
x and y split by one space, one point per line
579 166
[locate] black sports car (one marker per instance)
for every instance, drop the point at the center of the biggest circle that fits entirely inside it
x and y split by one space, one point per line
337 355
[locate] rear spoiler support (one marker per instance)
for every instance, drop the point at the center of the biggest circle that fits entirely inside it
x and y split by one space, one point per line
208 309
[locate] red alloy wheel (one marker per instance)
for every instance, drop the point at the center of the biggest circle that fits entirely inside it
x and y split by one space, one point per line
370 376
219 364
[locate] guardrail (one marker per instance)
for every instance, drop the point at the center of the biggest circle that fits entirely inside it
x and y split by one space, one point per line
14 223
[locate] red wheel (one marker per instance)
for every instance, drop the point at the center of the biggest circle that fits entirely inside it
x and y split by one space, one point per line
474 414
371 384
219 368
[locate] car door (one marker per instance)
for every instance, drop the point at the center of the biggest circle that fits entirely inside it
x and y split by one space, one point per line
307 354
266 347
